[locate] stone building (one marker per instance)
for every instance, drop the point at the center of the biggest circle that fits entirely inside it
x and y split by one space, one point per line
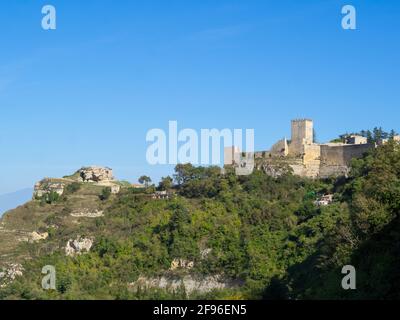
305 157
355 139
302 136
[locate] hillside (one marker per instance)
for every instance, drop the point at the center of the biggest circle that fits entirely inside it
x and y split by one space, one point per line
12 200
211 236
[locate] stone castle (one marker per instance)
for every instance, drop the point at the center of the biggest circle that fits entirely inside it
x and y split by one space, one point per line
306 157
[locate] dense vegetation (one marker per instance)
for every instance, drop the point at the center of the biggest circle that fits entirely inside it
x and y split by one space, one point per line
265 231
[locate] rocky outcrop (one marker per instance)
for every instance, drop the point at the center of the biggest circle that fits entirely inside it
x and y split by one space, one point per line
36 236
101 176
181 264
78 246
46 186
204 253
273 167
95 174
86 213
10 273
115 189
190 283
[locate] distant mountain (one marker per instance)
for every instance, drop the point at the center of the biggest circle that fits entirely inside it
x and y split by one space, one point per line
12 200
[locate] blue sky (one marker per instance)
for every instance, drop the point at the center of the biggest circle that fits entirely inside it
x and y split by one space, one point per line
88 92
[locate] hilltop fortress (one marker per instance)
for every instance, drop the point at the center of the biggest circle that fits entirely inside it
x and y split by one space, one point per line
304 156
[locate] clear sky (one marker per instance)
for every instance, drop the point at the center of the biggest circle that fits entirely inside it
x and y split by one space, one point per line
88 92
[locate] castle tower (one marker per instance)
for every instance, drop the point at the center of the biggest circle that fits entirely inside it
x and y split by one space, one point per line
230 155
302 134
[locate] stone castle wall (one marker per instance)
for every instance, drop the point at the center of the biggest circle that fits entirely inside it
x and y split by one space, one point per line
342 155
312 153
280 148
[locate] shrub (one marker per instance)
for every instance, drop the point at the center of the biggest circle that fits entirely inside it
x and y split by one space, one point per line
73 187
50 197
105 194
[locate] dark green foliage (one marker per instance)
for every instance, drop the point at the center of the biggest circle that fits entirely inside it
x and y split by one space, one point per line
50 197
166 183
372 136
105 193
145 180
72 188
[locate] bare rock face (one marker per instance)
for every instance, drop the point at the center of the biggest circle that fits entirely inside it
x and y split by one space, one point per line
86 213
95 174
36 236
78 246
204 253
47 186
191 283
9 273
181 264
115 189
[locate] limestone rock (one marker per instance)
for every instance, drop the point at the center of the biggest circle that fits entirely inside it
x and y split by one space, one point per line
191 283
78 246
115 189
36 236
10 273
86 213
95 174
181 263
47 186
204 253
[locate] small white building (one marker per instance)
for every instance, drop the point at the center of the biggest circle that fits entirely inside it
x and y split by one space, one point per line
325 200
355 139
161 195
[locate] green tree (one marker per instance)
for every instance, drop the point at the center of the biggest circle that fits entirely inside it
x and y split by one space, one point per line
105 193
165 183
145 180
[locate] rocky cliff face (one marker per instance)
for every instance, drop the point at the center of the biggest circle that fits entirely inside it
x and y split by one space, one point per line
78 201
9 273
95 174
190 283
78 246
47 186
102 176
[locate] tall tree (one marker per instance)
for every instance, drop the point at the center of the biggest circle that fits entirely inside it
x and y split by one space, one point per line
145 180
